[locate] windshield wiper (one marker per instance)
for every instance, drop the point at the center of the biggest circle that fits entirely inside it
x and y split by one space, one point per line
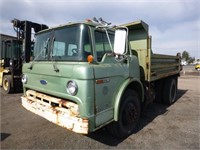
53 59
45 48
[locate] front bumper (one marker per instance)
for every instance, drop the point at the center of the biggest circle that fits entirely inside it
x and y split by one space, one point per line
61 112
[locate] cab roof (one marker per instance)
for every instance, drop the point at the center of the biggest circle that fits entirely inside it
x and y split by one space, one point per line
132 25
87 22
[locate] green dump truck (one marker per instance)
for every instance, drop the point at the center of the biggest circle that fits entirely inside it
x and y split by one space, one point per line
88 75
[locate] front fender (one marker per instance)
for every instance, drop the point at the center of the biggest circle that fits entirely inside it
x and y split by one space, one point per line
122 89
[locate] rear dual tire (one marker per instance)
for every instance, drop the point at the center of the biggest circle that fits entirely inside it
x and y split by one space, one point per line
170 91
166 90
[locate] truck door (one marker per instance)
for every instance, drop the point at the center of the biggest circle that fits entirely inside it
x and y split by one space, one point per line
108 76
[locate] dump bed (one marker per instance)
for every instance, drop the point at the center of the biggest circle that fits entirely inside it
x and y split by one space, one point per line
152 66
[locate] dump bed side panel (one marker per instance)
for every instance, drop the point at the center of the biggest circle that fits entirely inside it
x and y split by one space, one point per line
162 66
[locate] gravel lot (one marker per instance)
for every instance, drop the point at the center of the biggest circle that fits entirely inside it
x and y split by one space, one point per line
162 127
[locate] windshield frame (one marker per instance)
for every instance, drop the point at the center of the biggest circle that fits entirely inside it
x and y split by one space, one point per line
59 43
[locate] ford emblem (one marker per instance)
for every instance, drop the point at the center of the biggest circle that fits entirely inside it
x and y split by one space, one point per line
44 82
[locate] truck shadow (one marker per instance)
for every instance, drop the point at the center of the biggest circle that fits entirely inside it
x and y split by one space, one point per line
4 136
151 112
17 89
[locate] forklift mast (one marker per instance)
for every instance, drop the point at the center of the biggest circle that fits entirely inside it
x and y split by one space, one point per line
24 31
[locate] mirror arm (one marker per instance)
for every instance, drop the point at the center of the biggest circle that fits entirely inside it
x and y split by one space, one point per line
121 58
109 40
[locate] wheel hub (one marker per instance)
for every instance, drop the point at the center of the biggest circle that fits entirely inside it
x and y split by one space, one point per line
5 85
130 114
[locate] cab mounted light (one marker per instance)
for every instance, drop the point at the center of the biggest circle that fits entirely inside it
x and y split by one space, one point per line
88 20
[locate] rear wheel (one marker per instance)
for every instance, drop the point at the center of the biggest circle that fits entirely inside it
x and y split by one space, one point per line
129 115
170 90
7 84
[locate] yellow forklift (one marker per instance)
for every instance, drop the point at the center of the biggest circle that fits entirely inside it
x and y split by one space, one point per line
10 63
14 51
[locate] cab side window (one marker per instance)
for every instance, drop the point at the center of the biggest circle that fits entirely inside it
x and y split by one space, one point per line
102 45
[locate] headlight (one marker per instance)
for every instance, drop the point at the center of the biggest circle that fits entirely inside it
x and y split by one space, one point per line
11 62
24 79
72 87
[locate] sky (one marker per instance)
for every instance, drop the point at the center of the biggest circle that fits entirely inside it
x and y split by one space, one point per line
173 24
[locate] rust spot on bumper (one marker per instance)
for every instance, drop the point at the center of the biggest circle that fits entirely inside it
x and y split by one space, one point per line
58 111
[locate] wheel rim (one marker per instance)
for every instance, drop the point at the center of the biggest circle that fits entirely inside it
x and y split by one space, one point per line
129 115
173 93
5 85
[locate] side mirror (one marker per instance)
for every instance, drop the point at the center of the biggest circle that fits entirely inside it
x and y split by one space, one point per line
120 41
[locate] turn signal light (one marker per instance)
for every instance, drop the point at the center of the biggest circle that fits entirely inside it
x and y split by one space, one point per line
90 58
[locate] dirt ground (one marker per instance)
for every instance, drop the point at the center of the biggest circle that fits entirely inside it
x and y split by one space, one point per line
162 127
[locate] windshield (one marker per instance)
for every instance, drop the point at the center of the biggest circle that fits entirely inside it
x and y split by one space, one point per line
70 43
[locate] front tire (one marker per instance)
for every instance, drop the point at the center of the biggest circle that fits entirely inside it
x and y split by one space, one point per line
129 115
6 85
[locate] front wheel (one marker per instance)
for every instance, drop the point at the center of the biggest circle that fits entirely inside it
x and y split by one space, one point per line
129 115
7 88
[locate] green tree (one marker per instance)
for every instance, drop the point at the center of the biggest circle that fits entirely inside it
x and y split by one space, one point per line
191 60
185 55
